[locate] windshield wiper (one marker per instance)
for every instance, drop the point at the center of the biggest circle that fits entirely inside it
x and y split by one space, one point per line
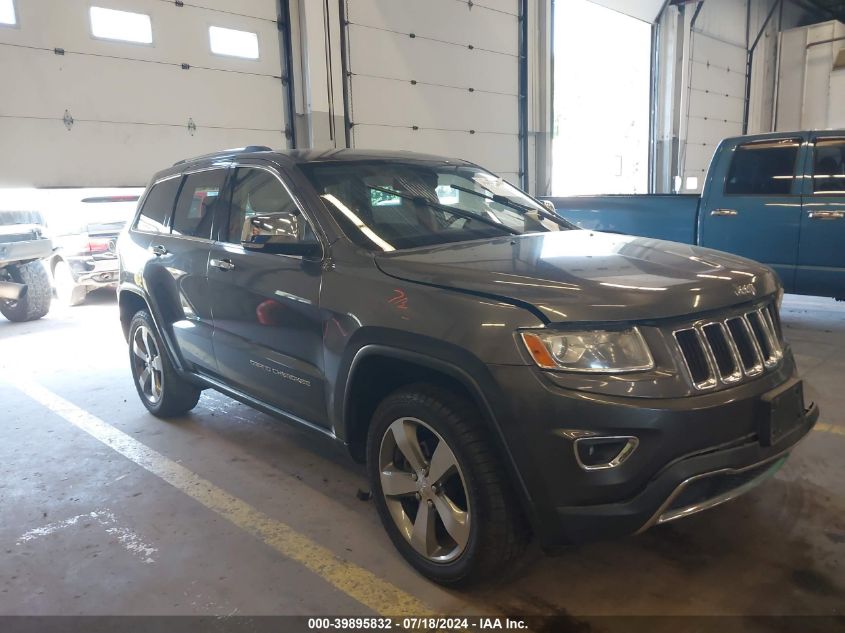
514 205
468 215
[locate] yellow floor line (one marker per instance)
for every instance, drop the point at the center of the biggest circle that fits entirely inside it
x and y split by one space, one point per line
356 582
830 428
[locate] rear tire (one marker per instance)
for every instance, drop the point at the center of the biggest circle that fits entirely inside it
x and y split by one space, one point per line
36 303
479 528
162 390
67 290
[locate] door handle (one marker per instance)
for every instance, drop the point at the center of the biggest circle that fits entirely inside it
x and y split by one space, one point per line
158 250
222 264
724 212
826 215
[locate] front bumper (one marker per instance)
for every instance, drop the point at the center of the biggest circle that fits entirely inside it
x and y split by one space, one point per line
24 251
694 453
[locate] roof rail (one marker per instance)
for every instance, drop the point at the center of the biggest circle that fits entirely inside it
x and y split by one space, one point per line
226 152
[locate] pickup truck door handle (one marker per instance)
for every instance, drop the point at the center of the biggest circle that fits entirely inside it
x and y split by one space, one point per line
158 250
222 264
725 212
826 215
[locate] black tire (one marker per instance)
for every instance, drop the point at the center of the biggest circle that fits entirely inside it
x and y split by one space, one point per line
36 303
498 531
175 395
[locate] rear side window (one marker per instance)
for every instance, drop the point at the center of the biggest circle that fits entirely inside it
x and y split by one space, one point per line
198 198
763 169
829 167
157 207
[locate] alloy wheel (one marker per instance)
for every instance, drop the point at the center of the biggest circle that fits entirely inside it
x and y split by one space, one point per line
425 490
147 365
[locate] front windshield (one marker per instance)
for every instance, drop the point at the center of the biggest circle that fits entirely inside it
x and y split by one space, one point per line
397 205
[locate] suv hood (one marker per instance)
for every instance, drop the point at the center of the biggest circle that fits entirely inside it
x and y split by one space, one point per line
587 276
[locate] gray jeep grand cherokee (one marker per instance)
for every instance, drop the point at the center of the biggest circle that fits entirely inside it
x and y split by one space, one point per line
502 373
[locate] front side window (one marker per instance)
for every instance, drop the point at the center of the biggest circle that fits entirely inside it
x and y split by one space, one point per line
263 211
763 169
394 205
158 205
124 26
195 207
829 167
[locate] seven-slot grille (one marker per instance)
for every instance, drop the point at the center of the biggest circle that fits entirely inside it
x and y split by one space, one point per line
724 351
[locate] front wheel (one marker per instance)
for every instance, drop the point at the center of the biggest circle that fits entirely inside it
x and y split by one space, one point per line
162 390
36 302
440 489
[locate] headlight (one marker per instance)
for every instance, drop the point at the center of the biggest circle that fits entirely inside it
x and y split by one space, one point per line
595 351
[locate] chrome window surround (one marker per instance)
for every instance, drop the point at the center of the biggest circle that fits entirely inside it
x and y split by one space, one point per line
761 362
226 166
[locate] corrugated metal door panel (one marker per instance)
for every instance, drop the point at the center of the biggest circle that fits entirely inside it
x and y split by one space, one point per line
458 74
132 103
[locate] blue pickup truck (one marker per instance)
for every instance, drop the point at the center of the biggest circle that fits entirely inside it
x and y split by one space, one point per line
777 198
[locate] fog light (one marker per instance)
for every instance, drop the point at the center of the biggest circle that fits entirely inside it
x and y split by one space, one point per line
596 453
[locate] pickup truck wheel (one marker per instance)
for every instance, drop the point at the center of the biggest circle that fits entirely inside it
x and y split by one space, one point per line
440 490
67 291
163 391
36 303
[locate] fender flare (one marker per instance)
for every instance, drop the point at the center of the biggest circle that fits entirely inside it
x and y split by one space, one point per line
169 347
467 380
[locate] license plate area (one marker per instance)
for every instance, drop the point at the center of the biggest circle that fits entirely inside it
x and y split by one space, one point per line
782 412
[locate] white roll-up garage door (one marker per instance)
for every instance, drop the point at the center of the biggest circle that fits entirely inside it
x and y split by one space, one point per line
440 76
83 110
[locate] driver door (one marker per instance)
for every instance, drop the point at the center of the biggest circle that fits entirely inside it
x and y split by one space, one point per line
267 324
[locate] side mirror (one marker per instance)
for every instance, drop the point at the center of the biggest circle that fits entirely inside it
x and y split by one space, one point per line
282 233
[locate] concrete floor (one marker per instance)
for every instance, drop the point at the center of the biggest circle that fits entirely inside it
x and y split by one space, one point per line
84 530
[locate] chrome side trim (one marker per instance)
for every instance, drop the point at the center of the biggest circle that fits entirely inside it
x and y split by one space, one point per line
621 457
244 397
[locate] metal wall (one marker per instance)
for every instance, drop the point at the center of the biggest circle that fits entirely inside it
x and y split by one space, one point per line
441 76
811 89
134 106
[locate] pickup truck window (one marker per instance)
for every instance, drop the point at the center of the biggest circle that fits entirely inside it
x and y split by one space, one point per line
360 196
829 167
157 206
763 169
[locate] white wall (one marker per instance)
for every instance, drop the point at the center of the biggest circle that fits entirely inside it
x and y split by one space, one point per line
811 91
464 102
131 103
